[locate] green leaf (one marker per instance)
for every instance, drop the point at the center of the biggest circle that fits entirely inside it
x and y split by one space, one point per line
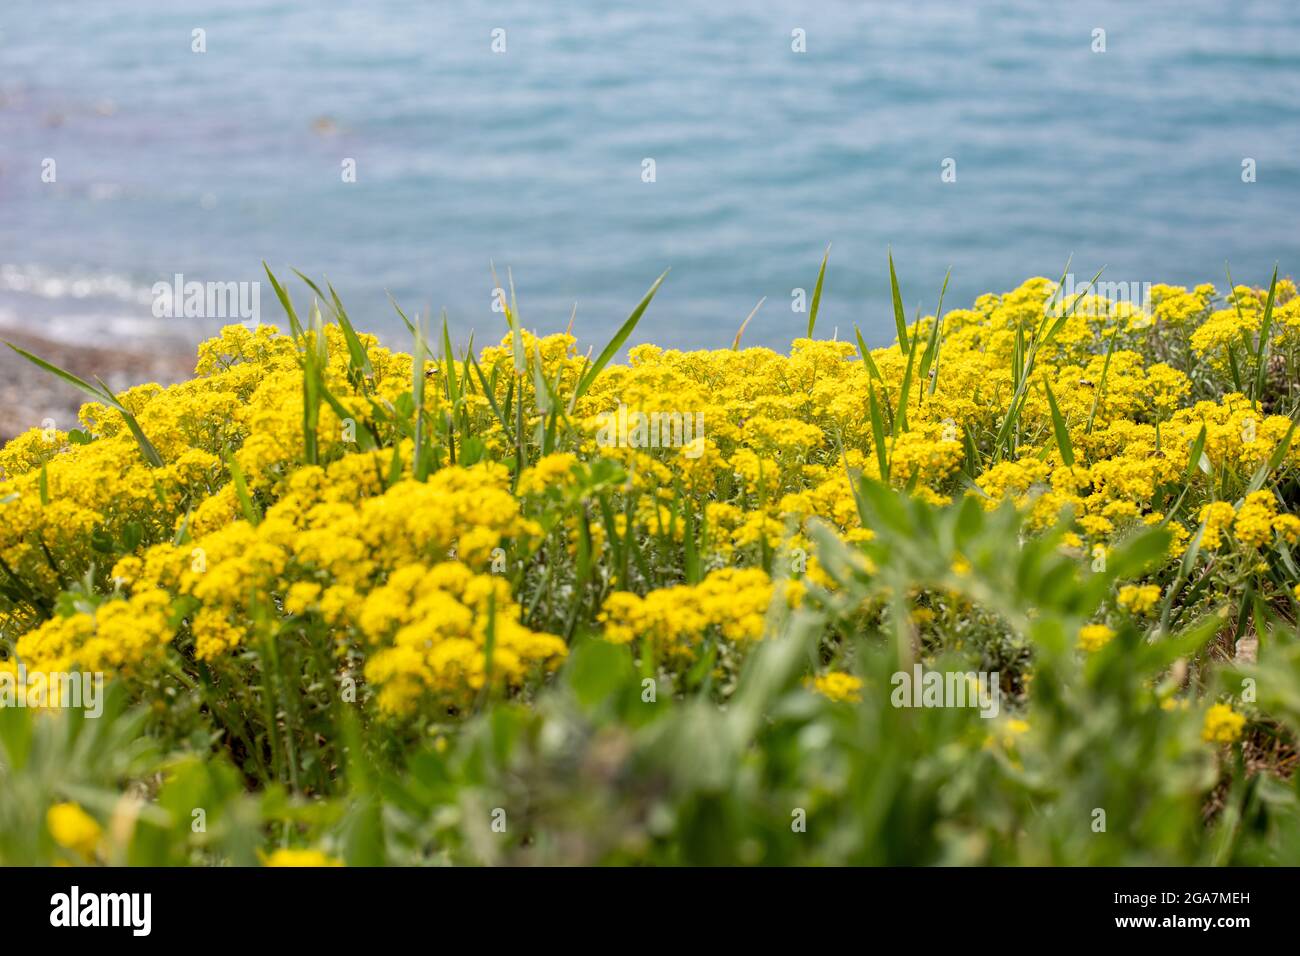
295 327
101 393
359 358
619 338
146 446
472 450
931 354
817 291
410 326
449 363
1275 459
1234 368
419 465
900 319
878 432
98 394
867 360
905 390
490 394
1265 325
1101 386
314 359
1062 432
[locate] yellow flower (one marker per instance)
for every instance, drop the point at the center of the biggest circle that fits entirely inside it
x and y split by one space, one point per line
288 857
1287 528
74 829
302 595
1217 517
1223 725
1139 600
119 636
732 600
1094 637
839 686
1254 524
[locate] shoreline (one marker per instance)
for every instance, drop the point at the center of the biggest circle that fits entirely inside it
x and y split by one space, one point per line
29 395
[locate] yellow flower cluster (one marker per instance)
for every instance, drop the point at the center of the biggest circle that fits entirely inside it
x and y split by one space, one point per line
285 856
1139 599
430 630
730 602
1254 524
837 685
1093 637
74 829
1223 725
417 569
118 636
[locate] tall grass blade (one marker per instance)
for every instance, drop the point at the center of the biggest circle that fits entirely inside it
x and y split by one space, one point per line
1265 327
900 319
735 343
817 291
867 360
1058 424
621 336
295 327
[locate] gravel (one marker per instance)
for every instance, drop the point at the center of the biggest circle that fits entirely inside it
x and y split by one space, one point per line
29 395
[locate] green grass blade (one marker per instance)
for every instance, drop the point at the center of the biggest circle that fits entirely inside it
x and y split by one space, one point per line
100 395
490 394
295 327
905 390
419 353
619 338
449 363
1058 424
1194 455
1274 460
900 319
878 432
410 326
1101 386
1265 326
360 358
931 354
867 360
817 291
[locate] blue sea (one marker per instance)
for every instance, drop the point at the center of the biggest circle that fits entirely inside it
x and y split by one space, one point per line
531 156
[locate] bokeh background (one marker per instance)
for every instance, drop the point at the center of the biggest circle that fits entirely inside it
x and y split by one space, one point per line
205 164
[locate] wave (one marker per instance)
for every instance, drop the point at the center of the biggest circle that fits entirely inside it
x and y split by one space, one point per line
48 284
